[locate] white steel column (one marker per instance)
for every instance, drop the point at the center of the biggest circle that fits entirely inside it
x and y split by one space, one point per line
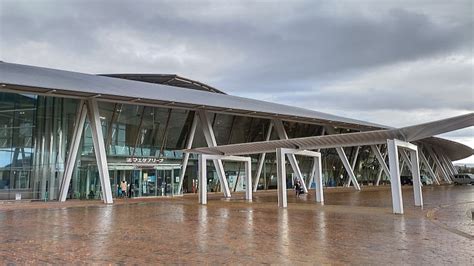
397 203
189 144
261 160
345 162
427 165
281 178
202 179
73 149
99 149
406 159
354 161
381 160
319 179
379 176
280 129
211 142
450 164
347 166
415 168
439 166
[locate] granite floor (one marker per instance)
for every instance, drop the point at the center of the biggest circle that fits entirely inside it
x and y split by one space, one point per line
353 227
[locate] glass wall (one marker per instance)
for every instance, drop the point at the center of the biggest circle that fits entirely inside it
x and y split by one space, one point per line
143 146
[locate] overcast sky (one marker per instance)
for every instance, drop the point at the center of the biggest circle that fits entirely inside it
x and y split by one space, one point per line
390 62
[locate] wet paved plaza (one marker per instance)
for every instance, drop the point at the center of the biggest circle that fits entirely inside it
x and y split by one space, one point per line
352 227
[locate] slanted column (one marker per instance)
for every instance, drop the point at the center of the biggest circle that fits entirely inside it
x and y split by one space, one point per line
73 149
99 149
189 144
395 184
415 167
261 160
281 178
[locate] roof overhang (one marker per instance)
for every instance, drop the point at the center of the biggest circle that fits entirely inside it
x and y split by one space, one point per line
44 81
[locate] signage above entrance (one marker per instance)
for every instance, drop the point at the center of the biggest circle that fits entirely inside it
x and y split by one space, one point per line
144 160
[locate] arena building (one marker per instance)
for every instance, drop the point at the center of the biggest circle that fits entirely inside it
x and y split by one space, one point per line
67 135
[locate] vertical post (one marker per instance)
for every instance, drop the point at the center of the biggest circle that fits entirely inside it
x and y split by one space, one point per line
319 179
261 160
73 149
248 178
415 167
189 144
397 202
280 129
281 178
99 149
202 168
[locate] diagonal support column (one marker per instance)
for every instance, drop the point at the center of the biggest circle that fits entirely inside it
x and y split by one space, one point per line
381 161
439 166
354 161
347 166
73 149
211 142
427 165
379 175
189 144
345 161
280 129
261 160
99 149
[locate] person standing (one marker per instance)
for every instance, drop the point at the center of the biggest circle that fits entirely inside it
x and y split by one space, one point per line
124 188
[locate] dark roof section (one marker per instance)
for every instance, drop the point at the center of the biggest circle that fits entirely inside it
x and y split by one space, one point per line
167 79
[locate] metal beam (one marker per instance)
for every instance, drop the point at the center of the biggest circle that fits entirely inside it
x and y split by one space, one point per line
81 114
211 142
280 129
261 160
439 166
189 144
203 174
99 149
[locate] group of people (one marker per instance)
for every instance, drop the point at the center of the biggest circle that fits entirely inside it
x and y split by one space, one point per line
124 189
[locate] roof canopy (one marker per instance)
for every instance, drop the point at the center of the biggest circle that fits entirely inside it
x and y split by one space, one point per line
37 80
410 134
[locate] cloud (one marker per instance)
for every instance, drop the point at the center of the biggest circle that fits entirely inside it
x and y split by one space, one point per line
389 62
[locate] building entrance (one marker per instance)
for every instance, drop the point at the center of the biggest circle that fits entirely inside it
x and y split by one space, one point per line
144 181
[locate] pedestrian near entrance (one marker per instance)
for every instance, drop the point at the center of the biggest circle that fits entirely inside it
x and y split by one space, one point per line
124 188
119 191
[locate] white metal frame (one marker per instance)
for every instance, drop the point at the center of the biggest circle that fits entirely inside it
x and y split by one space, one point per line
90 109
397 200
281 173
202 165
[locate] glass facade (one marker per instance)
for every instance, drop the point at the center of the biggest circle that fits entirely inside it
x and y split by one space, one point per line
143 146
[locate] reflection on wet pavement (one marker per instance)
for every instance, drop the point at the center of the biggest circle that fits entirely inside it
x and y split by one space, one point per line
352 227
